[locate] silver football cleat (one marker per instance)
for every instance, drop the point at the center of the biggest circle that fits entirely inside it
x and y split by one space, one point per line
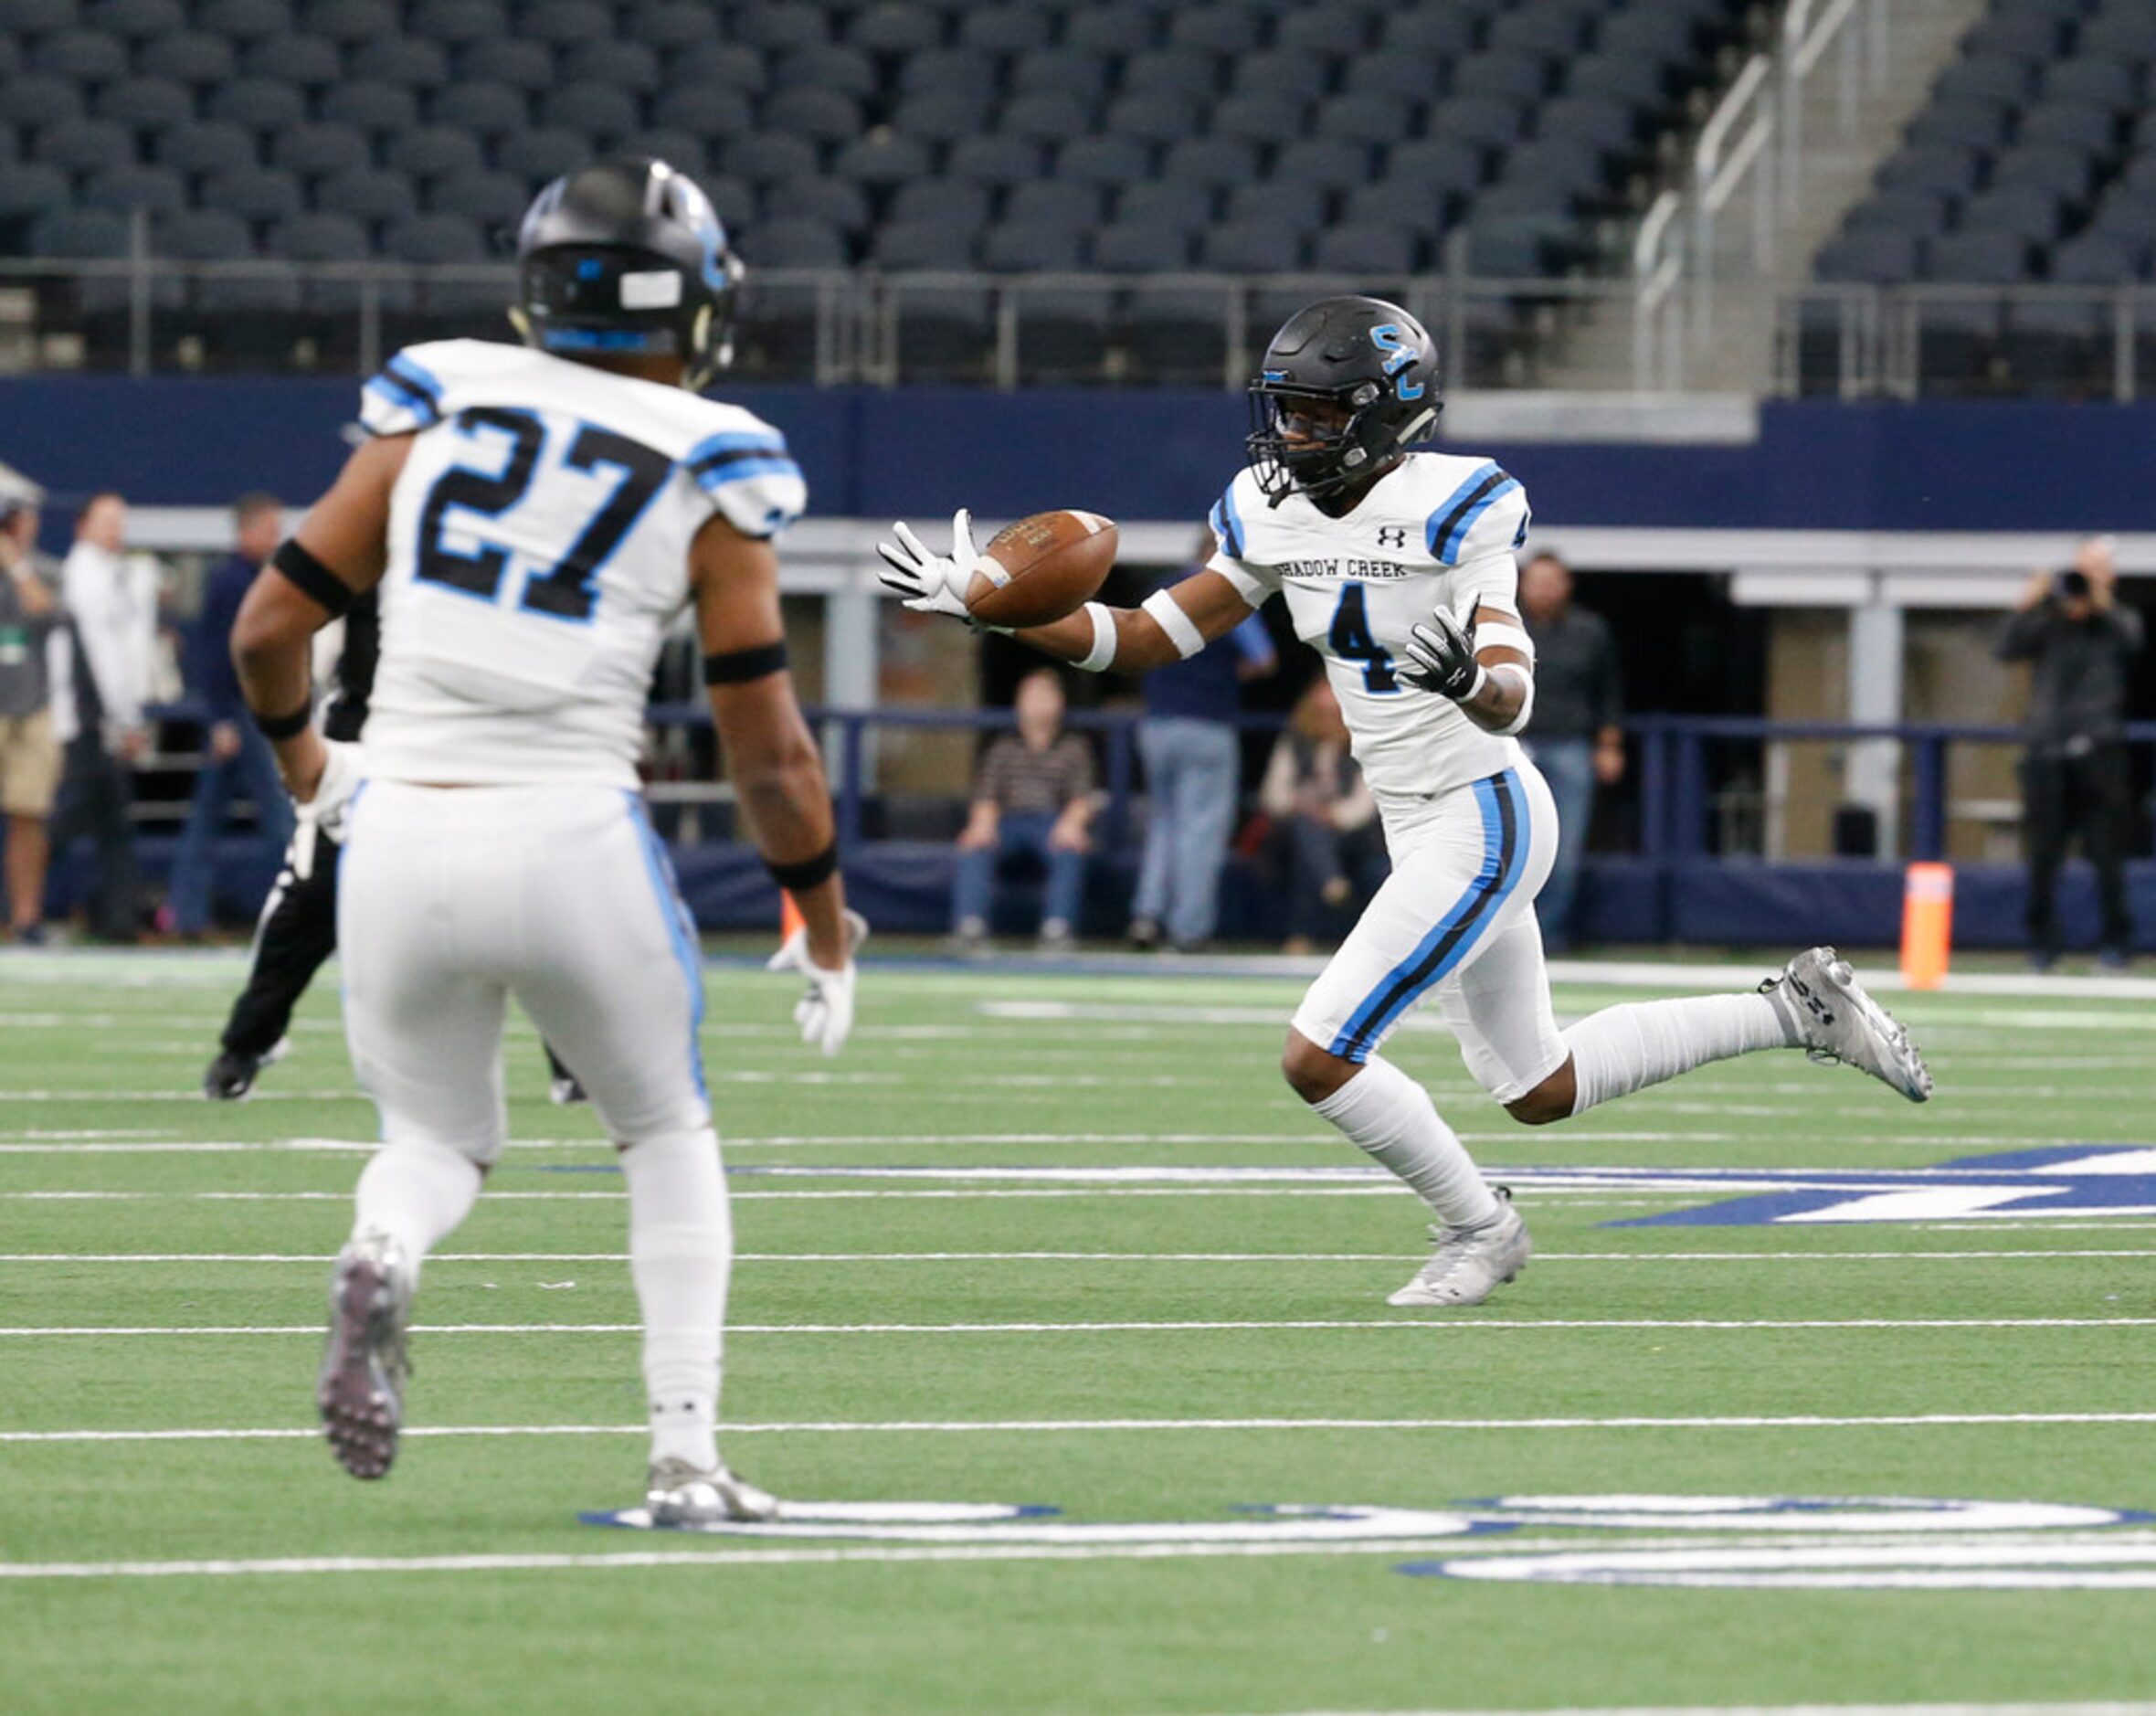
1826 1009
677 1493
361 1387
1469 1262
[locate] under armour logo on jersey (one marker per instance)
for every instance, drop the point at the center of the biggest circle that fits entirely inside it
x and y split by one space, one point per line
1392 535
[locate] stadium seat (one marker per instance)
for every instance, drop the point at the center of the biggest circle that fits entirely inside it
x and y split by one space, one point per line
203 235
435 239
625 65
2026 215
844 70
349 21
32 189
1295 74
254 194
679 149
1325 28
372 107
1641 84
1515 246
487 110
133 20
526 66
2063 173
1869 258
191 56
1034 247
1610 125
2098 259
1301 206
773 27
1971 123
598 111
2076 123
1951 169
834 202
84 145
36 100
1366 118
1548 31
1441 162
145 103
456 22
313 149
1144 247
541 153
716 64
1663 35
954 205
1335 164
799 243
2121 32
1985 77
1108 161
2032 36
1046 116
1185 74
2112 84
1253 247
1166 202
244 20
1914 210
1120 30
893 27
434 152
926 246
308 60
1045 202
735 201
710 112
1998 256
886 160
666 25
400 60
1431 31
320 238
1145 117
965 71
1369 248
1227 30
936 117
82 234
766 158
1258 119
84 56
365 192
991 160
1486 121
119 189
1211 162
207 146
820 115
1004 29
38 17
1063 70
565 23
1521 80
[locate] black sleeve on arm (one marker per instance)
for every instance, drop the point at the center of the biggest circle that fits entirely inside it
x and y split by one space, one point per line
737 667
314 580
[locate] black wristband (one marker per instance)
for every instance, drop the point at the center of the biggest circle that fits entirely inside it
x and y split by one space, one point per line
284 727
737 666
315 581
798 879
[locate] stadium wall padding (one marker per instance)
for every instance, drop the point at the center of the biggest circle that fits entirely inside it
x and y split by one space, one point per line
1163 454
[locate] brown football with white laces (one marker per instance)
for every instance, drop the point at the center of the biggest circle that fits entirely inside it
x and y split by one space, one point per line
1041 568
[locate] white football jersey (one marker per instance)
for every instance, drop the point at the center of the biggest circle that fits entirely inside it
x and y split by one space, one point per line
538 552
1436 531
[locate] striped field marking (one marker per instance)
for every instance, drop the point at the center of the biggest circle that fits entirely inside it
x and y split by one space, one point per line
1090 1256
1510 1325
1088 1426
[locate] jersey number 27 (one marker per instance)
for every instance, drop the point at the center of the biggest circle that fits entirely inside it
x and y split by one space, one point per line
564 590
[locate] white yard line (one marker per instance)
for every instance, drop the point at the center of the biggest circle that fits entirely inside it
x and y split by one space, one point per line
1074 1426
1390 1189
1091 1256
1789 1709
1464 1326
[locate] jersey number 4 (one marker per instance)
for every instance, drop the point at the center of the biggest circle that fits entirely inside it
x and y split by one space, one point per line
1351 640
564 590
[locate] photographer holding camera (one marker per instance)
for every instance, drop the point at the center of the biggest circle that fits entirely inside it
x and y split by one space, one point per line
2074 777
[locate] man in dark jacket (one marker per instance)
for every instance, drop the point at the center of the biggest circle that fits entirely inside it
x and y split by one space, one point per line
238 759
1575 737
2078 640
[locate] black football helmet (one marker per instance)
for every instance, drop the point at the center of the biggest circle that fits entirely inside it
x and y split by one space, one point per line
1372 361
626 256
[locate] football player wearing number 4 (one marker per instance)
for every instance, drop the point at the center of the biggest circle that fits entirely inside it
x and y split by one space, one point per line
1397 569
535 519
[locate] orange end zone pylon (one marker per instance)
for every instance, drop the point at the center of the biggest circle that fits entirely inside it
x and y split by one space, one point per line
1926 924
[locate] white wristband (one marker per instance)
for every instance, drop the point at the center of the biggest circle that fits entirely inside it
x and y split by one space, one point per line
1168 615
1102 656
1527 698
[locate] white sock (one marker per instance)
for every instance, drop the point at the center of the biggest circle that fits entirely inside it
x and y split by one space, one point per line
1392 1117
414 1192
680 1251
1624 1049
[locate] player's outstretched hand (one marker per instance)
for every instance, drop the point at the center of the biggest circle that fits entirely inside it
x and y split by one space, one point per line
322 816
826 1013
931 583
1440 658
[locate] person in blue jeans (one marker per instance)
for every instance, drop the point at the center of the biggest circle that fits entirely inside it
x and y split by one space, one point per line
1575 737
1033 796
238 761
1193 766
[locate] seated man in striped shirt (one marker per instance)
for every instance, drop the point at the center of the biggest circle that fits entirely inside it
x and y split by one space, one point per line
1033 795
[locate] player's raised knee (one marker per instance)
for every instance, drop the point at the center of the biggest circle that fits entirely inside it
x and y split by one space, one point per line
1552 1099
1311 1071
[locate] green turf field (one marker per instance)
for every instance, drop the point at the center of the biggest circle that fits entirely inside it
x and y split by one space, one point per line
1164 1349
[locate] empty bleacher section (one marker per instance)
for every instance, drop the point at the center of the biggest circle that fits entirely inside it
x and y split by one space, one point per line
2002 234
880 161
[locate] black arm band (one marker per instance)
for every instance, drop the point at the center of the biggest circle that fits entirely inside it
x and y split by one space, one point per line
736 666
284 727
798 879
315 580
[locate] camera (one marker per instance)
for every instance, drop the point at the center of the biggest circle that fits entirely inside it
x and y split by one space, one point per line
2069 585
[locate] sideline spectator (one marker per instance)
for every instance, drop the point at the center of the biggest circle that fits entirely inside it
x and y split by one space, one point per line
2071 629
1323 816
1574 738
1193 761
112 623
239 756
1032 796
29 751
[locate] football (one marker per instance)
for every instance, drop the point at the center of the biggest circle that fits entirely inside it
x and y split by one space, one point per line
1041 568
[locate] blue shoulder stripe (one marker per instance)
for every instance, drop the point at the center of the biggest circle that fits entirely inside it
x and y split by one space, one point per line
737 467
418 377
1448 525
393 389
1227 523
736 441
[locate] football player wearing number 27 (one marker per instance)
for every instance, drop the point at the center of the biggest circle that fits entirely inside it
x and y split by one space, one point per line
535 518
1397 569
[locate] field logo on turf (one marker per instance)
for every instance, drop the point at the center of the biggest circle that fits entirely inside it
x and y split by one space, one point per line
2053 1184
1789 1543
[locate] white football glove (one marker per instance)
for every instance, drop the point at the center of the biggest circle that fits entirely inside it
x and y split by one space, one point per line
932 582
322 816
826 1013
